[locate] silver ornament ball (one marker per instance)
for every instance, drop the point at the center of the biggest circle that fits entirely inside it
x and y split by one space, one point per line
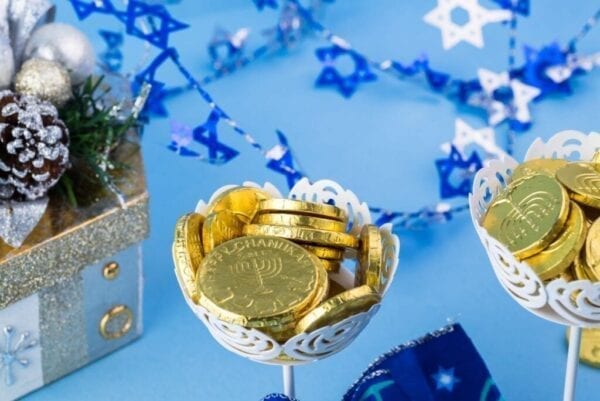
44 79
7 63
66 45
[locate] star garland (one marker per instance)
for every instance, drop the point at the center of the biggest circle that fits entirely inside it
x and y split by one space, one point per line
505 96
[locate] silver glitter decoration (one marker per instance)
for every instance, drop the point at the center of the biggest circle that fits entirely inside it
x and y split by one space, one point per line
66 45
44 79
18 219
24 16
62 328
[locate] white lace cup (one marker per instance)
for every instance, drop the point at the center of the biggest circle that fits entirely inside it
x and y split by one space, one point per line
575 303
305 347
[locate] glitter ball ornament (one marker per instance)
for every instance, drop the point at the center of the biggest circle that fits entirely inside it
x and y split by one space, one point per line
34 144
66 45
46 80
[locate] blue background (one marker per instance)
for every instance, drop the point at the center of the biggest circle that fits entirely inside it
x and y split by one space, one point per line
381 143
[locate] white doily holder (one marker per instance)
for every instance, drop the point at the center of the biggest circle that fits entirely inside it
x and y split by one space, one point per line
326 341
576 303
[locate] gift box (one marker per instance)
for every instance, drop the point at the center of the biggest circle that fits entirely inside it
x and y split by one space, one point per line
72 292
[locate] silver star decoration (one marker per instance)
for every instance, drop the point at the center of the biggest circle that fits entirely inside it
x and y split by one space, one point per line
471 31
517 108
465 135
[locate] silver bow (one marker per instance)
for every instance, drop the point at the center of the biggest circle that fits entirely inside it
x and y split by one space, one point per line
18 19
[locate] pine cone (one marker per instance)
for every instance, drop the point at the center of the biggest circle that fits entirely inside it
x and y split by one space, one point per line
34 146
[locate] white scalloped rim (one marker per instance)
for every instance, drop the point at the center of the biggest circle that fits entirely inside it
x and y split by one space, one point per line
326 341
576 303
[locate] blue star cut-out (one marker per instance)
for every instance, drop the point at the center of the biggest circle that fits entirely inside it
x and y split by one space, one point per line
446 167
112 57
261 4
445 380
84 9
330 76
207 135
536 64
284 162
160 23
516 6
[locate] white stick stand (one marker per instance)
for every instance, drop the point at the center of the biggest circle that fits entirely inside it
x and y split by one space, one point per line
289 387
572 363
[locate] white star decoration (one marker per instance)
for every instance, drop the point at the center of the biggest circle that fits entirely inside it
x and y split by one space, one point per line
561 73
465 135
445 379
522 94
471 31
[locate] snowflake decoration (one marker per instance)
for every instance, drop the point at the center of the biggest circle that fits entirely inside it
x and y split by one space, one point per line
506 98
465 135
13 354
471 31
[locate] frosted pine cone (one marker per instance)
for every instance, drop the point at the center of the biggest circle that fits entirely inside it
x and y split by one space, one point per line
34 150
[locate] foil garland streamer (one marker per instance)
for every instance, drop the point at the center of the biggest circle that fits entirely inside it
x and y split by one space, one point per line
18 219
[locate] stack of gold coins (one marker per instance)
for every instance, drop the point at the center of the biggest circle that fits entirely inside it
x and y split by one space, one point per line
549 217
270 264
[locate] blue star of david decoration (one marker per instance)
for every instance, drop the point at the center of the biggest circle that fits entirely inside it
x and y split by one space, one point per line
284 163
516 6
160 24
233 46
537 62
112 57
330 76
261 4
155 102
444 379
455 161
84 9
207 135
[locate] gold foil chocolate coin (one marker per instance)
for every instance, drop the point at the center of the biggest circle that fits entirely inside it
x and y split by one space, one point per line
529 215
304 235
589 351
538 166
338 308
370 258
187 251
324 252
583 182
298 220
242 201
259 282
220 227
331 266
302 207
555 259
592 249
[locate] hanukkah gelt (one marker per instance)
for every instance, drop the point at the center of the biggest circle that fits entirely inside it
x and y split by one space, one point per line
529 215
299 220
259 282
220 227
324 252
331 266
304 235
242 201
555 259
538 166
581 269
589 351
592 249
187 251
338 308
303 207
370 258
583 182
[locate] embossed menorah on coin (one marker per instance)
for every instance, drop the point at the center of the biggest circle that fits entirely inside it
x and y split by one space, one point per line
272 278
547 277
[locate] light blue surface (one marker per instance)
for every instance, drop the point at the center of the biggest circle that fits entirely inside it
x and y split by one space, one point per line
381 143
